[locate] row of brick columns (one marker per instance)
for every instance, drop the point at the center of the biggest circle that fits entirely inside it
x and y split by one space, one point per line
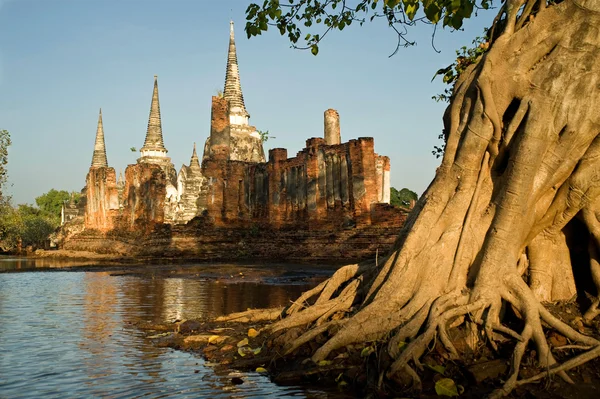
326 180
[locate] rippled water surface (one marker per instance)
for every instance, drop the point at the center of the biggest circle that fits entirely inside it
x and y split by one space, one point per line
73 335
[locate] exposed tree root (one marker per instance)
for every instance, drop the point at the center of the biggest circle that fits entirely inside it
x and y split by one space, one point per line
522 160
569 364
340 303
311 334
252 315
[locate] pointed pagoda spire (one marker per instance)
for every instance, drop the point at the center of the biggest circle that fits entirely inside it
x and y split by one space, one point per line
194 161
121 181
99 159
154 137
233 88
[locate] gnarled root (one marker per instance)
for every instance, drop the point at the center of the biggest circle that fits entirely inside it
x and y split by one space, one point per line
252 315
320 310
522 159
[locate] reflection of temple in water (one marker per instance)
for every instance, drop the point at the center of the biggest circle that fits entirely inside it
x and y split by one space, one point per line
169 299
100 320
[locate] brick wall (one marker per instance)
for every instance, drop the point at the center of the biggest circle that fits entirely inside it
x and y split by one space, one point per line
102 202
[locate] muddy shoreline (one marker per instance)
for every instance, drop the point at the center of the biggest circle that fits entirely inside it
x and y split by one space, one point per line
351 372
354 370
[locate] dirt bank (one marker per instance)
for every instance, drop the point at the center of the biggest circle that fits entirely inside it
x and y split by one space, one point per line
246 346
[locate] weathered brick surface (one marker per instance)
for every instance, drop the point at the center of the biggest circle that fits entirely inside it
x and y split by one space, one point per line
332 127
219 129
102 203
386 215
144 198
203 241
320 204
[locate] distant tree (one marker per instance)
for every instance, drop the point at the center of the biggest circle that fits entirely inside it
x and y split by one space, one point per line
403 197
27 224
4 144
36 230
51 203
26 210
11 226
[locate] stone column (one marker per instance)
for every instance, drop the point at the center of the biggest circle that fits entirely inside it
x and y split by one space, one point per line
276 184
294 189
219 129
364 178
311 163
379 173
301 188
386 180
344 181
332 127
336 180
288 193
329 179
321 184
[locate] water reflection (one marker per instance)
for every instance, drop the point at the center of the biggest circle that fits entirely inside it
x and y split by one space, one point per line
8 263
171 299
100 320
73 335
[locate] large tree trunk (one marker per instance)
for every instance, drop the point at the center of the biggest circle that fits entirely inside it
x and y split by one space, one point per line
521 161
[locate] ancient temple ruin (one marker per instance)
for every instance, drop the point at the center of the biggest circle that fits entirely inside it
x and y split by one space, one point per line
327 185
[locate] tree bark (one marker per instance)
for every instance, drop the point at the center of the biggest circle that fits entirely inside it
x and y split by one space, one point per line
522 159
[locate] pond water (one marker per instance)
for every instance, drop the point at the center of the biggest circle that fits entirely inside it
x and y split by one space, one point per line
72 334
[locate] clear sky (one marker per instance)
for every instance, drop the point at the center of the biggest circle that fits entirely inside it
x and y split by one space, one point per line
61 60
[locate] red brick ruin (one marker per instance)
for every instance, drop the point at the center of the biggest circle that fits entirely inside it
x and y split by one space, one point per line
236 204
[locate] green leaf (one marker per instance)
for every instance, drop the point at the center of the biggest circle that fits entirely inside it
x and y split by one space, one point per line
314 49
433 13
243 342
437 368
446 386
324 362
261 370
367 351
455 5
411 10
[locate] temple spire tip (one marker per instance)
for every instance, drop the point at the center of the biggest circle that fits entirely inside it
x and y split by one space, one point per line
154 136
99 157
233 89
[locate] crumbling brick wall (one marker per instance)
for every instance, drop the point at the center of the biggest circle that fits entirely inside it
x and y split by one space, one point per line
144 197
102 199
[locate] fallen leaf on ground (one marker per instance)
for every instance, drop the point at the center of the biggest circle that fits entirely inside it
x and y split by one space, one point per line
446 386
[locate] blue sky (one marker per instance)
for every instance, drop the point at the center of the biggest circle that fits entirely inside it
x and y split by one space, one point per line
61 60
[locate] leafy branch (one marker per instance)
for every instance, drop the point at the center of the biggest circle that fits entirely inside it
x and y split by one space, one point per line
338 14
